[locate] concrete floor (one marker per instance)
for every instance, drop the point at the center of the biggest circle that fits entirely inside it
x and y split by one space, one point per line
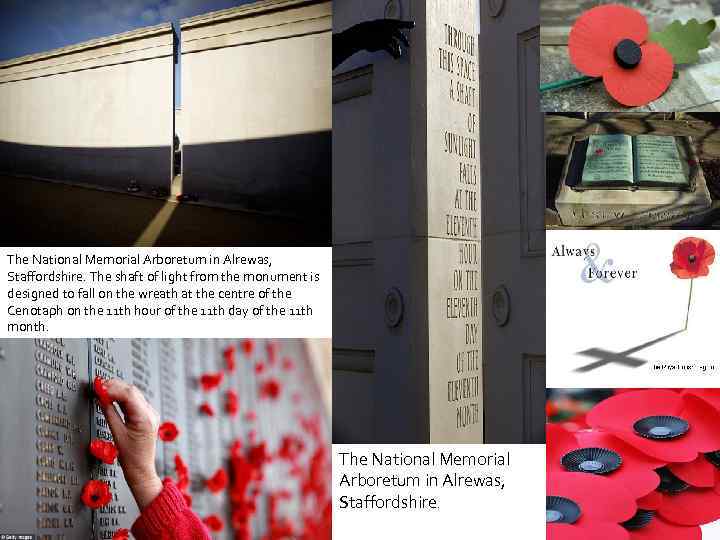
38 213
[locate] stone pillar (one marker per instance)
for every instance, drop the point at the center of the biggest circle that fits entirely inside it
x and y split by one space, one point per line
407 363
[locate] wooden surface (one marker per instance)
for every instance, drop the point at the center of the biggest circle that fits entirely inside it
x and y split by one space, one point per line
696 89
704 130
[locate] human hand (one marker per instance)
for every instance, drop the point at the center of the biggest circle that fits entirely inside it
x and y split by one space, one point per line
135 438
383 34
380 34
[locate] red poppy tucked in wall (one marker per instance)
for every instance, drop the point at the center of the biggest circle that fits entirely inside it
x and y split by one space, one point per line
663 424
183 474
121 534
586 506
599 453
217 482
214 523
270 389
248 346
210 381
229 355
611 41
207 409
101 392
96 494
232 403
168 431
105 451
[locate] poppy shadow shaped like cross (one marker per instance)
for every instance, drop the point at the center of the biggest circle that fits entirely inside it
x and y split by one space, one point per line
624 358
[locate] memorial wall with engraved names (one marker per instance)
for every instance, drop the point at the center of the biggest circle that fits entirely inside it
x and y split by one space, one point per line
264 409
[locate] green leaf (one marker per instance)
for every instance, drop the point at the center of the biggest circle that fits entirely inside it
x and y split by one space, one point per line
683 41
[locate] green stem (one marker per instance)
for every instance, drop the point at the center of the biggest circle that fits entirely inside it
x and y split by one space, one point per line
569 83
687 315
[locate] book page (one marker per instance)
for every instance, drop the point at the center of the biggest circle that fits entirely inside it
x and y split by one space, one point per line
608 160
658 161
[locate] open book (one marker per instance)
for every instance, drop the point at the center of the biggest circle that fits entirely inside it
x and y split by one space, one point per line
627 161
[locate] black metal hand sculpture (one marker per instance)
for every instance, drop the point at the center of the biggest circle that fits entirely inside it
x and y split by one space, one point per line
377 35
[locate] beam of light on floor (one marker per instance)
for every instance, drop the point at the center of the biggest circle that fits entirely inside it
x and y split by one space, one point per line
152 232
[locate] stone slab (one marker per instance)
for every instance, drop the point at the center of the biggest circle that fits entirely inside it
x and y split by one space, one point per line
641 207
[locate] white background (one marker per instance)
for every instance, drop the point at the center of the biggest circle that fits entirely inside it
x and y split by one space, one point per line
516 512
306 259
623 314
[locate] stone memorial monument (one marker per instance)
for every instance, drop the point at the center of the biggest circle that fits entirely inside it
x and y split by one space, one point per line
48 418
422 330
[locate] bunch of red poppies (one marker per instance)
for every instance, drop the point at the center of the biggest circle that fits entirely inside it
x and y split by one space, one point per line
305 454
647 465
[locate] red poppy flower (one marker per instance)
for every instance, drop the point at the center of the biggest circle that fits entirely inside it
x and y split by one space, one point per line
251 416
96 494
105 451
692 258
258 455
217 482
229 355
121 534
214 523
595 452
180 466
291 447
101 392
270 389
272 349
686 505
248 346
610 41
259 367
586 506
210 381
288 364
168 432
647 525
700 472
182 472
231 402
663 424
207 409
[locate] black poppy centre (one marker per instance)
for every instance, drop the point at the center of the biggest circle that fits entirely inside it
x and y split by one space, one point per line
661 427
640 520
714 458
591 460
628 54
669 483
561 510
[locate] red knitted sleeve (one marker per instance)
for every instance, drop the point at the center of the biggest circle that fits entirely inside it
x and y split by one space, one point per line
168 516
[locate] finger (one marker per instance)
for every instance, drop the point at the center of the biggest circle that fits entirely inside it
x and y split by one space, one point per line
391 51
131 401
407 25
402 37
115 422
397 50
154 416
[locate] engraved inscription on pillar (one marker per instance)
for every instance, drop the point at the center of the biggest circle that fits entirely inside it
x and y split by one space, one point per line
60 436
116 514
454 222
